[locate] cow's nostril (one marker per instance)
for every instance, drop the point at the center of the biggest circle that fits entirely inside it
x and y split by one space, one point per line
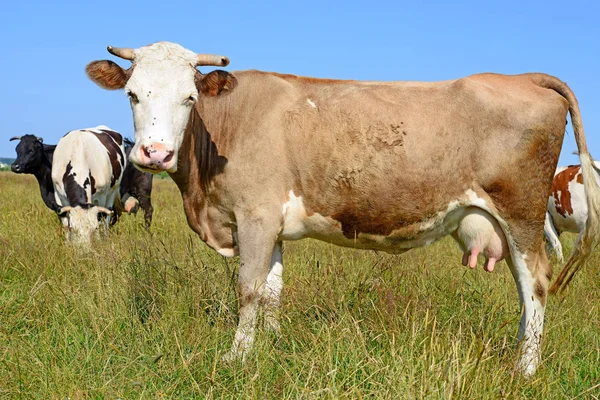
146 151
169 157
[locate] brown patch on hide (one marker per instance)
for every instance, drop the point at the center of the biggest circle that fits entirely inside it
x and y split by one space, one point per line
504 186
93 183
114 135
75 193
520 188
384 136
108 74
560 189
347 178
115 153
540 293
197 165
215 82
356 219
197 146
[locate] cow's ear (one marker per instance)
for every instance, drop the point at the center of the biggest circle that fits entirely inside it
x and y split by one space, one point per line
215 83
107 74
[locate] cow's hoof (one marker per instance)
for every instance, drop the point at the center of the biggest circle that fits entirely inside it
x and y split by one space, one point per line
272 324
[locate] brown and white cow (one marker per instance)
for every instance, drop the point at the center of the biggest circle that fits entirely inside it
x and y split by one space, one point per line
567 206
262 157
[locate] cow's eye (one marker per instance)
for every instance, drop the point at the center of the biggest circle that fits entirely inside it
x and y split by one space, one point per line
191 99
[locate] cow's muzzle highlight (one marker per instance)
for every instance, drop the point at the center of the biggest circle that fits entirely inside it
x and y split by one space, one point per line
155 157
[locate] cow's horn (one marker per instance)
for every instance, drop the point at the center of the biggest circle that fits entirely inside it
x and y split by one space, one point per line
65 209
123 52
15 138
104 210
41 139
211 59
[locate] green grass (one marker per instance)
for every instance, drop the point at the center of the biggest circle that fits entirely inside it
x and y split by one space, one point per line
150 316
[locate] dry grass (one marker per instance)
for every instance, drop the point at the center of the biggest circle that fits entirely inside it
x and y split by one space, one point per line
149 316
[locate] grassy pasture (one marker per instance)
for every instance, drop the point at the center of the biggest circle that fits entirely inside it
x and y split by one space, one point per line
150 316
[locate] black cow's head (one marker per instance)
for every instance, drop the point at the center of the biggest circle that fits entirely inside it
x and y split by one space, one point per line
30 154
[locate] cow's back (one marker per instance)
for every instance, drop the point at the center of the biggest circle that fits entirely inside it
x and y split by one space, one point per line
88 166
326 133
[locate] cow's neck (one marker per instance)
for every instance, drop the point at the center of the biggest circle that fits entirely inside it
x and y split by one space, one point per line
44 177
48 154
198 163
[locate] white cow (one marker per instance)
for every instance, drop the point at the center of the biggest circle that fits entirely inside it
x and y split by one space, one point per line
86 174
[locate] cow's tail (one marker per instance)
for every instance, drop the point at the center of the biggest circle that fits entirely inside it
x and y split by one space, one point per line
590 236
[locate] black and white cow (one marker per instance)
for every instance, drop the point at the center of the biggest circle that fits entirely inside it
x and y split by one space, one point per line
87 171
35 157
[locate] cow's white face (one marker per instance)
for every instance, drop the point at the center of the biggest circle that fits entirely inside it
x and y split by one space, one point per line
162 85
162 92
82 224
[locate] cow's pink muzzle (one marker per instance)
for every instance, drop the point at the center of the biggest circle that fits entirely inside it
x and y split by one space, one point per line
156 156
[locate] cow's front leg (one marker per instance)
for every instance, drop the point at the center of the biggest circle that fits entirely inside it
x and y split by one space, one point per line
259 279
146 205
64 219
107 218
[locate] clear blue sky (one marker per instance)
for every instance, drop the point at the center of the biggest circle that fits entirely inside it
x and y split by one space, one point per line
46 46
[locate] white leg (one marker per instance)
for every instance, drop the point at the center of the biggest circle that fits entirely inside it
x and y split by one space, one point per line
552 237
532 313
271 296
65 223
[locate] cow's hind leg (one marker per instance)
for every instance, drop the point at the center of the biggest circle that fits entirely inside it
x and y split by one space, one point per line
553 241
532 272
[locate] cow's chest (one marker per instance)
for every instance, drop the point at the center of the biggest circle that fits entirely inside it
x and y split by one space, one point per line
214 227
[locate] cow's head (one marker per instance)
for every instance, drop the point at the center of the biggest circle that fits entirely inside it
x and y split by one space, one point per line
30 154
162 84
81 222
